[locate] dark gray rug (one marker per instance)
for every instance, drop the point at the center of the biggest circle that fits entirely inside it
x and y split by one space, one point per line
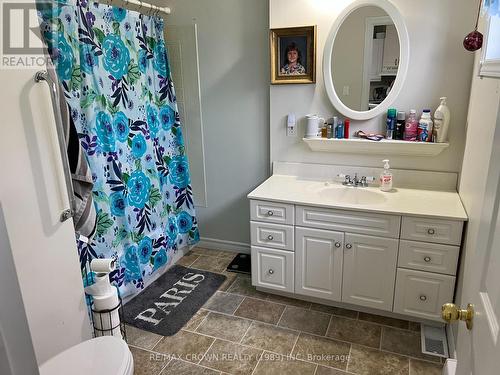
166 305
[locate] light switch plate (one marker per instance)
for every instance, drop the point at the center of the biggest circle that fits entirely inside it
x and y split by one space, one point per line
291 125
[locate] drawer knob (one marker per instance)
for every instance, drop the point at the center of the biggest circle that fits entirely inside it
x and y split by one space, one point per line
271 271
348 246
270 213
337 244
270 238
431 231
423 297
427 259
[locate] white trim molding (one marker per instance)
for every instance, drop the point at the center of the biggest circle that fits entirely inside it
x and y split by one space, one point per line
217 244
490 67
370 23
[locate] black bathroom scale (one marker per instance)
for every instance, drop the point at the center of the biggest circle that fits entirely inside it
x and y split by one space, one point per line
241 264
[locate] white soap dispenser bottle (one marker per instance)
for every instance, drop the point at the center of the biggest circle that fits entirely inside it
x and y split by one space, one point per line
386 177
441 122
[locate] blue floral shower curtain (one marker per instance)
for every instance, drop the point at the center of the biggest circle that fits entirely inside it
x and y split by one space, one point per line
114 69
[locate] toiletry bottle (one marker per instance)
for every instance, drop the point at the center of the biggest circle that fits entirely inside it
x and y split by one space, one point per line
329 130
411 127
386 177
340 130
400 125
425 127
391 123
347 122
331 127
441 122
324 131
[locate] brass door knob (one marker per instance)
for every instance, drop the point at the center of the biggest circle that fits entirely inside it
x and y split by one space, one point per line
451 313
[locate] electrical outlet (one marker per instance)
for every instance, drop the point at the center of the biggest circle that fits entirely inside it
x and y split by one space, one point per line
291 131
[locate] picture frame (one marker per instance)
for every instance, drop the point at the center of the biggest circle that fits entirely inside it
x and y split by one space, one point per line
293 55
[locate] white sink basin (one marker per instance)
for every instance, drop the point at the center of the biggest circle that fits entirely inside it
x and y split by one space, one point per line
352 195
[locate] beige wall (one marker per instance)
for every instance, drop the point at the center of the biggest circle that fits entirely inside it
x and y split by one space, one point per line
348 55
439 66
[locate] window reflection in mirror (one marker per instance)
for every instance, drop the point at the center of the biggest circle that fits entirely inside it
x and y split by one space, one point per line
365 58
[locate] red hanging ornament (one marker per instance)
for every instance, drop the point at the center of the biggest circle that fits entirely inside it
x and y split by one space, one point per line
474 40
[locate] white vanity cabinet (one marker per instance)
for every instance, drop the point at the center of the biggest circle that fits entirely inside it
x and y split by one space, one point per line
401 264
272 235
428 256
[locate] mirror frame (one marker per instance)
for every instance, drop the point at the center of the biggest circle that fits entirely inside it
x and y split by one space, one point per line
404 58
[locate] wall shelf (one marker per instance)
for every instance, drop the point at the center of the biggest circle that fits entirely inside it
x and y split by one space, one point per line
383 147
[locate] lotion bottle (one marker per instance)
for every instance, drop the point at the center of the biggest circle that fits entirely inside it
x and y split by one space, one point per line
386 177
411 127
441 122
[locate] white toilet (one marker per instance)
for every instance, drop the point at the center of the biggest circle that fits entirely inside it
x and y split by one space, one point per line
105 355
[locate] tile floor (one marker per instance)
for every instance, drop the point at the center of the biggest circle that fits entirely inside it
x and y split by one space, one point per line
243 331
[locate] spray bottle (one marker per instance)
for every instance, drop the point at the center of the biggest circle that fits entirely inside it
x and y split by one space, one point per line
105 298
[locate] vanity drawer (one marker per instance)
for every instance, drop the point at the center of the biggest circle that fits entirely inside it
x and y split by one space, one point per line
421 294
272 212
430 257
432 230
348 221
273 269
272 235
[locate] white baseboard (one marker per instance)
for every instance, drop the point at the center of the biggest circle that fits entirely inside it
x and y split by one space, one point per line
216 244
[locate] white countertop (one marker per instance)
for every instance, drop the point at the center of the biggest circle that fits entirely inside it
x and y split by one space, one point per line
412 202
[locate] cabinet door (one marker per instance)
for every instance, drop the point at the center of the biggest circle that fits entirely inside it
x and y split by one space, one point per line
272 269
369 271
391 50
422 294
318 263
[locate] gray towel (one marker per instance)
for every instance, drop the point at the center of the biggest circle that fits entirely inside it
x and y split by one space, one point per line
84 213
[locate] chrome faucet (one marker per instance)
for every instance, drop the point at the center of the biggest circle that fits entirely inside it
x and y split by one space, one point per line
356 181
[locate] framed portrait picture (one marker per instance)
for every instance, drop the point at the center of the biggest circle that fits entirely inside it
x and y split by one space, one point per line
293 55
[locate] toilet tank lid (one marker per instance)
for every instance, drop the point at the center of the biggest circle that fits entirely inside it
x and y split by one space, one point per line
101 355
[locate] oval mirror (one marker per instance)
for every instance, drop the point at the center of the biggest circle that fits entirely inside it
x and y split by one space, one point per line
366 58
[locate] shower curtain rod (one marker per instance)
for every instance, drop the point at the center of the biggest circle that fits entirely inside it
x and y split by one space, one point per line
139 6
